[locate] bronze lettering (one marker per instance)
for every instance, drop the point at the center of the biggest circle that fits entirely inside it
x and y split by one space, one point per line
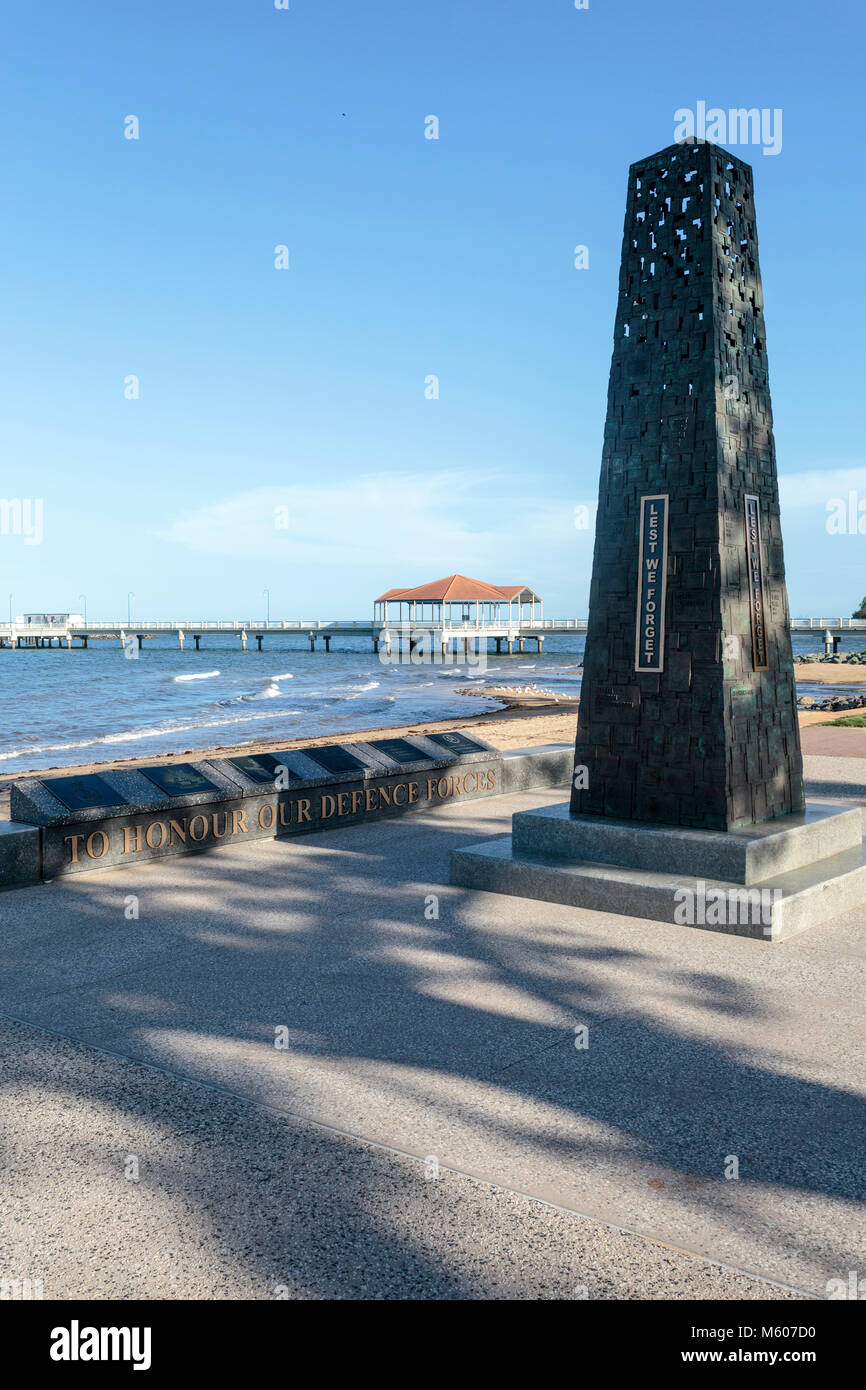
341 797
239 820
384 796
413 791
286 806
163 828
271 812
73 841
204 823
357 798
303 809
131 830
401 787
178 828
89 846
370 799
329 806
220 834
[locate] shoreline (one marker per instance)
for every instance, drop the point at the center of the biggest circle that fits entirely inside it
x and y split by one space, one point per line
534 712
524 721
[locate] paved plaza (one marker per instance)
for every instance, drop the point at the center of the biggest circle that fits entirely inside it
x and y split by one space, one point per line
426 1127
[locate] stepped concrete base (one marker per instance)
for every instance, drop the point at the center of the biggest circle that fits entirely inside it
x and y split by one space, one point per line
737 856
768 882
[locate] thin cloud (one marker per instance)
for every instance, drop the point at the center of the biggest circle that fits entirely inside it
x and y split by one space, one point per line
409 524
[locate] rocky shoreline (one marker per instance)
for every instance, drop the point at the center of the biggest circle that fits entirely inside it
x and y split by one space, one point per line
834 703
837 659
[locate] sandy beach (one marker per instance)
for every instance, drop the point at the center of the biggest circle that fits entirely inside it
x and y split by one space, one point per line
830 673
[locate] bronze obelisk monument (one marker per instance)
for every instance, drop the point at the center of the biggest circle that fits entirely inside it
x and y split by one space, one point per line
688 705
688 778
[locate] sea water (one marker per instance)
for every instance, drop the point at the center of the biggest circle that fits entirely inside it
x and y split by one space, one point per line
59 707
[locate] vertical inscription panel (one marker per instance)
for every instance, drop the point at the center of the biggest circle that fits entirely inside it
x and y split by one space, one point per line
652 583
757 596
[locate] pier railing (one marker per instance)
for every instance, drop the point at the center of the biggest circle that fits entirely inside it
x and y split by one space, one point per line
813 624
42 633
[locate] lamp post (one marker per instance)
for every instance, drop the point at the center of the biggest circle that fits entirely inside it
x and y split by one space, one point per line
129 597
10 610
83 598
267 594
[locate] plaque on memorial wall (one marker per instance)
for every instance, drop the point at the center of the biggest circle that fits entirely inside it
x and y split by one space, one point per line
264 768
334 758
399 749
179 779
83 793
456 743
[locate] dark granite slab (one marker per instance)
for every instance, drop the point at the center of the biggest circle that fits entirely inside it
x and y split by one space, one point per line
195 827
33 801
132 814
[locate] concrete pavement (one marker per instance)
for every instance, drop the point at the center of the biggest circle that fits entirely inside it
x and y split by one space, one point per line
440 1025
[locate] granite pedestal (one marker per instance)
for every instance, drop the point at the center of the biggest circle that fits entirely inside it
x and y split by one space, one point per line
768 881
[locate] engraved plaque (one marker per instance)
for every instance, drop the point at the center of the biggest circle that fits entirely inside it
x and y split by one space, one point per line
652 583
611 697
456 743
263 767
335 758
757 599
83 793
398 749
178 779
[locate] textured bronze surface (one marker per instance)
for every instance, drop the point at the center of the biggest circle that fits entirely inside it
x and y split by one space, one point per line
712 740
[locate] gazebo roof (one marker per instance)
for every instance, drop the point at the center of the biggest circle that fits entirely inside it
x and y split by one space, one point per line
457 588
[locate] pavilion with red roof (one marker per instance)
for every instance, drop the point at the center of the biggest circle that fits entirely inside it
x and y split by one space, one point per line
475 601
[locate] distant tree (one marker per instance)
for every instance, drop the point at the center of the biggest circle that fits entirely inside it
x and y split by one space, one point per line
861 611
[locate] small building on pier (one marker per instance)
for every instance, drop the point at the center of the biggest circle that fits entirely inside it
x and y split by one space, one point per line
458 611
458 600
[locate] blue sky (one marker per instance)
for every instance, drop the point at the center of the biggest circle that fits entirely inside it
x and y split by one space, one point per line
304 389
